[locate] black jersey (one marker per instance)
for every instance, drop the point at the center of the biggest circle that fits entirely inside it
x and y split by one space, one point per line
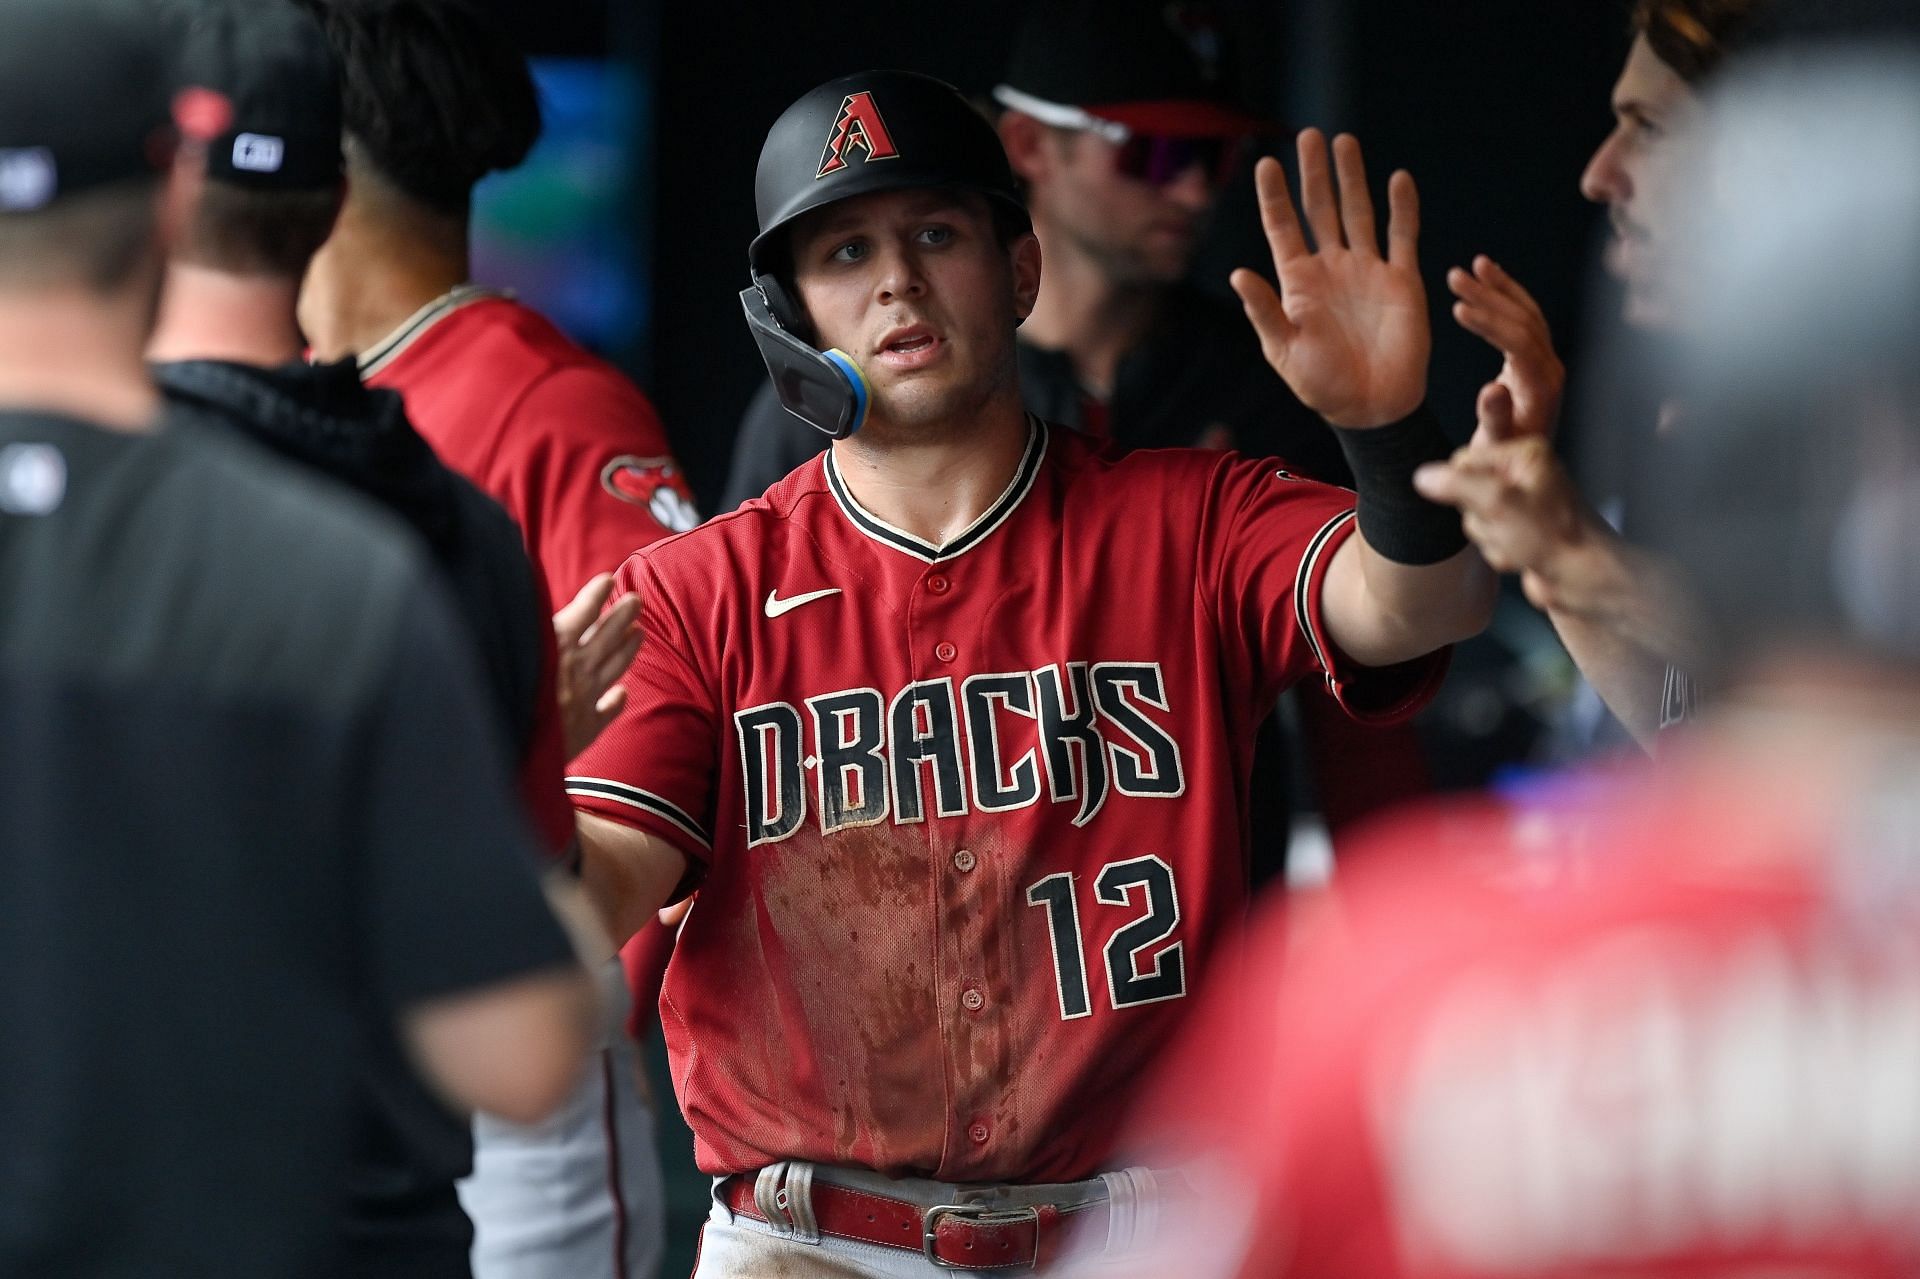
249 796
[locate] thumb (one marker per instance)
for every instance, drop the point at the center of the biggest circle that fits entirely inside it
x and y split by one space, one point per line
1269 317
1494 409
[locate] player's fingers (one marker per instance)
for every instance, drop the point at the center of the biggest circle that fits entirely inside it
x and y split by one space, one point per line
1316 191
1285 240
574 618
1501 330
1472 289
1497 278
1494 409
1403 221
611 627
1455 485
1356 202
1485 537
1268 316
612 664
611 703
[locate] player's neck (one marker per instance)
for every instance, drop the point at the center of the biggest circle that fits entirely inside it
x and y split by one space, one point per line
66 351
936 487
380 267
1085 313
212 315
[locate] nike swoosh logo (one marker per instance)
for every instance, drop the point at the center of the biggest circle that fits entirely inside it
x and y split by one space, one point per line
777 606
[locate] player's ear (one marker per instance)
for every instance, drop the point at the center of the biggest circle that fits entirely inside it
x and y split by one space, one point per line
1025 140
1025 255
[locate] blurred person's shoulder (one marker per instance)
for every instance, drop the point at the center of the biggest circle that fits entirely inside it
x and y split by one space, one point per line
196 554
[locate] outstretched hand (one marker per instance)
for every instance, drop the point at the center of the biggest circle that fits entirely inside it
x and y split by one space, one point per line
1348 328
1517 504
1496 308
595 650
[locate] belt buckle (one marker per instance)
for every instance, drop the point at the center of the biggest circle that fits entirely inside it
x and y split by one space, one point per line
978 1215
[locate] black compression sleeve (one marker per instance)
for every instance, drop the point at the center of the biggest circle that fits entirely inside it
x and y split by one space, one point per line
1396 521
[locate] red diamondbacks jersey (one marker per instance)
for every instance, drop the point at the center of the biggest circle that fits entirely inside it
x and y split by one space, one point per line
560 438
1673 1032
970 819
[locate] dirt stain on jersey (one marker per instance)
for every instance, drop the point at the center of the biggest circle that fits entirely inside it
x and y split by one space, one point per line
854 913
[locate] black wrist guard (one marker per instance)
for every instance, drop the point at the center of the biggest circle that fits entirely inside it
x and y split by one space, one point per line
1396 521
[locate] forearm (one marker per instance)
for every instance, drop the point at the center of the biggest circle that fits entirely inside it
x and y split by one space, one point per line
1627 676
1380 612
627 875
1598 579
583 921
1622 617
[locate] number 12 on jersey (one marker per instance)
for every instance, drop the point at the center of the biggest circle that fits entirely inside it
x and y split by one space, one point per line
1117 884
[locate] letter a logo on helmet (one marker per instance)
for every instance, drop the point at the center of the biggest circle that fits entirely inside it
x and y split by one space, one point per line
859 124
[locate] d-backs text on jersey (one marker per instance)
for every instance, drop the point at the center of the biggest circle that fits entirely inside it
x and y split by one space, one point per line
1062 735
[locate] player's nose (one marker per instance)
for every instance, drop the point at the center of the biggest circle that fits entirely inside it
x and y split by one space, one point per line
1192 189
1605 179
899 274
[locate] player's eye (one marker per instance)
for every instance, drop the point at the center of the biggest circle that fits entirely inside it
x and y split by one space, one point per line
938 233
851 251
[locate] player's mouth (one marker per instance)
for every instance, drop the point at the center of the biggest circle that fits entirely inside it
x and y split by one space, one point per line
1625 246
912 347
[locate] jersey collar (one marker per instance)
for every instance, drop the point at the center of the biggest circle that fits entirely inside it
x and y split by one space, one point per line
975 533
389 348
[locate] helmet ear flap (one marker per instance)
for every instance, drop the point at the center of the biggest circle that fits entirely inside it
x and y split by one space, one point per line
782 304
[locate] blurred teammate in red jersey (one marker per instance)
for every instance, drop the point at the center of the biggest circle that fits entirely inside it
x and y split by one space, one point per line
1669 1026
435 99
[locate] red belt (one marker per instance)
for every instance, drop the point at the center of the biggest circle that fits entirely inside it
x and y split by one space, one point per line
953 1236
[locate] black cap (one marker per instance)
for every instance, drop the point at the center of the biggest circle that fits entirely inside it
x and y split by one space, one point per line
272 61
1142 65
86 98
876 131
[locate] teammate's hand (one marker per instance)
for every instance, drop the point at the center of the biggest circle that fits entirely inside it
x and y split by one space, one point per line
1517 504
595 650
1348 329
1496 308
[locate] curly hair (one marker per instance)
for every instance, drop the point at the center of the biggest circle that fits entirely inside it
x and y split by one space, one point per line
436 96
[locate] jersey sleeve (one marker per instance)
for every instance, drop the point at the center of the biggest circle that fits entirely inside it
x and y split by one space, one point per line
653 767
1269 538
591 478
451 900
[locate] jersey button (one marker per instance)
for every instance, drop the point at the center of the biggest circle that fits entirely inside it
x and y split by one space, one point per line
945 651
938 584
964 861
972 1000
978 1133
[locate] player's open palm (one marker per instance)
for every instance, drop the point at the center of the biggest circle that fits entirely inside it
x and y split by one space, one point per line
1348 329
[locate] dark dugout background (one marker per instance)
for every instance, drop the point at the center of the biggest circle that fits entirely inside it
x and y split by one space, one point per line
1494 105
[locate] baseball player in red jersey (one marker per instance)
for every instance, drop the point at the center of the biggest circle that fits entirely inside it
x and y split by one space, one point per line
435 99
951 727
1666 1024
562 439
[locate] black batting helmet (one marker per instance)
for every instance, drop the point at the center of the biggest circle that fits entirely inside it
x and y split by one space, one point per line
874 131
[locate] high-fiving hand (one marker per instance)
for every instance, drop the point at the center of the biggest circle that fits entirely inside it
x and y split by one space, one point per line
595 650
1494 306
1517 504
1348 329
